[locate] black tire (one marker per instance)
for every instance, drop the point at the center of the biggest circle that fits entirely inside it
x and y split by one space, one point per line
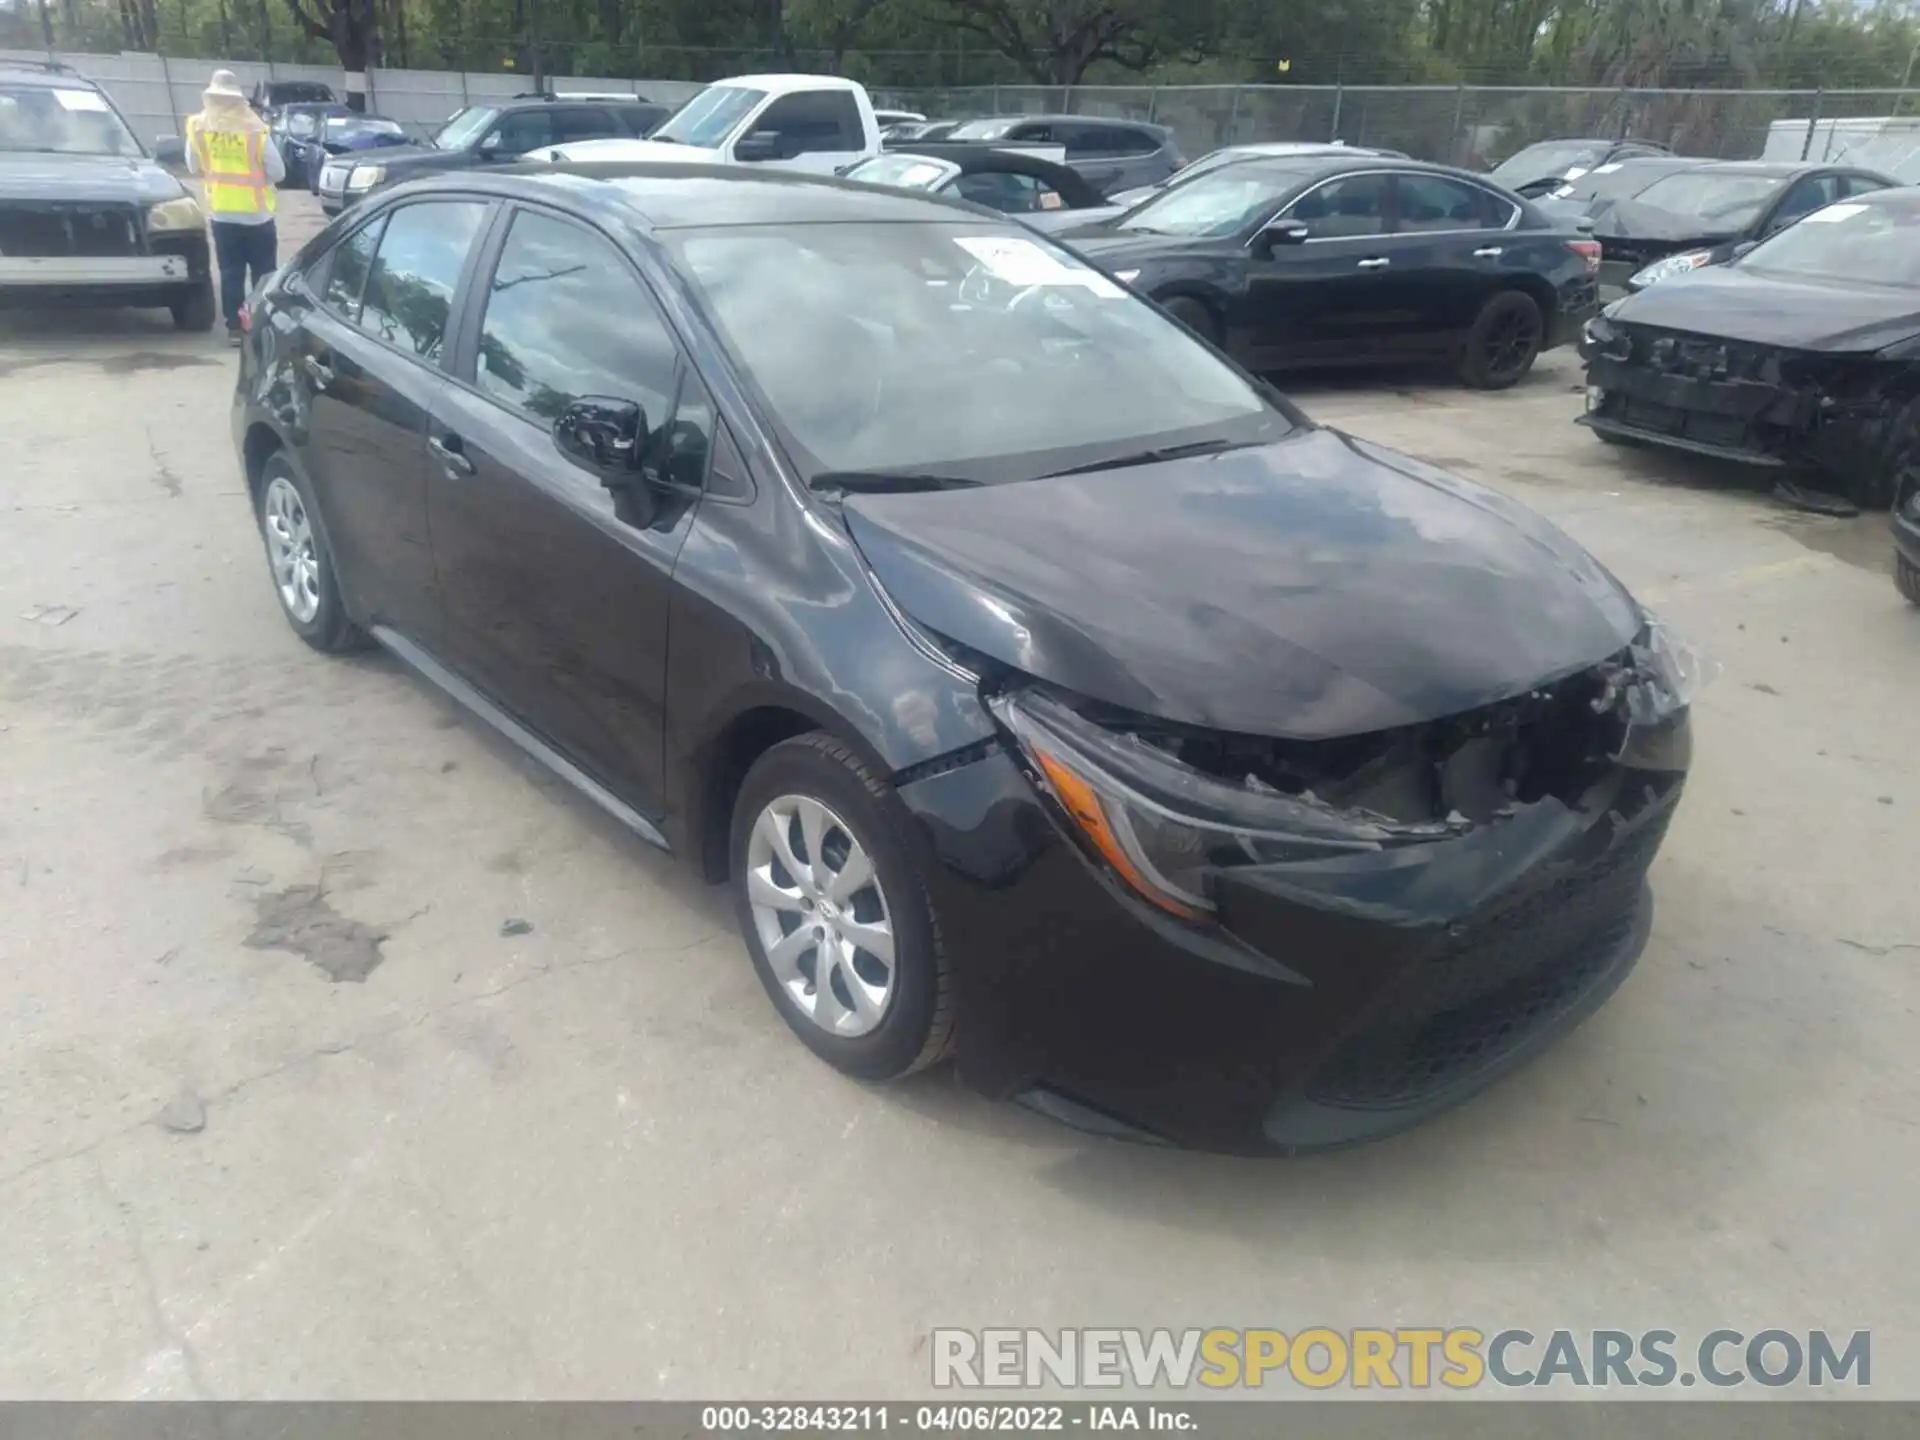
328 629
1194 315
917 1026
1625 442
1874 487
1503 342
1906 577
196 310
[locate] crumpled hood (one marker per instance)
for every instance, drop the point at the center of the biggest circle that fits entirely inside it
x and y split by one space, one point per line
86 179
1316 587
1631 220
1738 302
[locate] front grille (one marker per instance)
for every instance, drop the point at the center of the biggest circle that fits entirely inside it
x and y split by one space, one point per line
69 230
1483 992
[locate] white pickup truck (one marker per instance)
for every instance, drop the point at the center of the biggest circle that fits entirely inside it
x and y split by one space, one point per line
818 123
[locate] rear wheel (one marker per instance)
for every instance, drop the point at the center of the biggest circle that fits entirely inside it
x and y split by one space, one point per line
1503 342
197 309
835 912
301 565
1194 315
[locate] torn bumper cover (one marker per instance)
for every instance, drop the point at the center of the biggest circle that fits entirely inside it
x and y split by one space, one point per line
1752 404
1172 935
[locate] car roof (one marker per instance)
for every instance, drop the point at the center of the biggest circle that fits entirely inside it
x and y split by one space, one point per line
674 196
1770 167
1053 119
34 77
785 84
1340 162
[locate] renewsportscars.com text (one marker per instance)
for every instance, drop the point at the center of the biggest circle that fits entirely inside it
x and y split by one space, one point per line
1458 1358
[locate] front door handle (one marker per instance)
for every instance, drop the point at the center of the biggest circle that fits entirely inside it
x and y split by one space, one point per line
318 372
453 459
1378 262
1489 252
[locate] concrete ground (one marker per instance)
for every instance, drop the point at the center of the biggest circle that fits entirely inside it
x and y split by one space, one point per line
245 1152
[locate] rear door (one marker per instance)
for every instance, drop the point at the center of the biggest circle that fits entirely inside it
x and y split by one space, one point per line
518 132
557 593
1452 249
1336 296
365 367
584 122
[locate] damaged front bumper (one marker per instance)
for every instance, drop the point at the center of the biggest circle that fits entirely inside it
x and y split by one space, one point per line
1322 998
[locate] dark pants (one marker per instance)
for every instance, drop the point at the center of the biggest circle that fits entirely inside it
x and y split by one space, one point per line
238 250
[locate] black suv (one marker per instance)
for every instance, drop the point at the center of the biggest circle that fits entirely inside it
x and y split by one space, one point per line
490 134
87 215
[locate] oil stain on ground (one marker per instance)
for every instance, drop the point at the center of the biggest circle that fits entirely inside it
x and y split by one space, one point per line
139 362
301 921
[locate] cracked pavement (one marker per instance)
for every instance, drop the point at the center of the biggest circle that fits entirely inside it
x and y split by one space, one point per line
588 1161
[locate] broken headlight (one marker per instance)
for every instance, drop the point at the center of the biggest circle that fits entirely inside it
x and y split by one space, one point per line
1654 689
1670 266
1163 825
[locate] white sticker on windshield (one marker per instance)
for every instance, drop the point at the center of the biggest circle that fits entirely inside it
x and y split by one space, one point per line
1574 172
80 99
1608 168
916 176
1021 262
1832 214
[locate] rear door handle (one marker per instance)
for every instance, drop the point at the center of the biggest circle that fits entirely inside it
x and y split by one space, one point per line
1489 252
1379 262
453 459
318 372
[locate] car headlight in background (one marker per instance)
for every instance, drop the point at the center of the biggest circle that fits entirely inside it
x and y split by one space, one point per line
1126 277
1670 266
182 213
365 177
1163 825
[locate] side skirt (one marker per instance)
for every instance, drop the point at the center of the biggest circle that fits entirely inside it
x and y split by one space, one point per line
428 668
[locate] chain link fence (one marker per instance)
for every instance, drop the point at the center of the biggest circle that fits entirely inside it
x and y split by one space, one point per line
1476 126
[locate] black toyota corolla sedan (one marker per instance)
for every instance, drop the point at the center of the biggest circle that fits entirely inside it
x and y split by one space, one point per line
1347 258
1050 693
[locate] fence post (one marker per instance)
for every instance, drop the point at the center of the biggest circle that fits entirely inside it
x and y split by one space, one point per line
1819 102
996 97
1153 102
1233 118
1339 96
166 80
1459 115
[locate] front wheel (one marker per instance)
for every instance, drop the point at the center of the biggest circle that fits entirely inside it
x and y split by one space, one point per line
196 310
835 911
1194 315
1503 342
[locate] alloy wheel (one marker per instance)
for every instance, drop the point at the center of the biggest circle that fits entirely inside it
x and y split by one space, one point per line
290 551
1510 342
821 915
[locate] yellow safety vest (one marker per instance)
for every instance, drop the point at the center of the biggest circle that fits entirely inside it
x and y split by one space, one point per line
233 167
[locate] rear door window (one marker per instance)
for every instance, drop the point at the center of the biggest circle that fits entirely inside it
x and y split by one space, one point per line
409 292
583 122
343 275
814 121
1437 203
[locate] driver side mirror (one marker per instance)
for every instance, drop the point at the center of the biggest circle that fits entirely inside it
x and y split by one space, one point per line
171 151
608 437
760 146
489 147
1281 232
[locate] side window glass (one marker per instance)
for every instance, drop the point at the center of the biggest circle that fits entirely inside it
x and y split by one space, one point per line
821 120
1088 140
684 448
1803 199
522 131
1433 202
566 317
1352 206
409 291
346 271
1859 185
582 124
1002 190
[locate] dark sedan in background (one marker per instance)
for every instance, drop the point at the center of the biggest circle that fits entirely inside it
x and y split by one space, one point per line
1188 771
1801 356
1003 180
1342 259
292 126
1696 215
1112 154
1542 168
343 135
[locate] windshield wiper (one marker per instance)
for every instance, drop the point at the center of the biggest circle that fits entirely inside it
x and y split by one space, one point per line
882 482
1155 457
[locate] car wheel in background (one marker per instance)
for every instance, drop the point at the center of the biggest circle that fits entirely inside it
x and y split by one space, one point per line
298 560
1906 577
196 309
1874 487
835 913
1194 315
1503 342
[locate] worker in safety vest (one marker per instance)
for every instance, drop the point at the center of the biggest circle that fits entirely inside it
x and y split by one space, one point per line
229 148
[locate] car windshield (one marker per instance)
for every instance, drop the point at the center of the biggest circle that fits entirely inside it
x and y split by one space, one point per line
911 172
464 127
61 121
1216 205
343 127
1621 180
1875 241
1728 200
709 117
982 129
1550 157
933 325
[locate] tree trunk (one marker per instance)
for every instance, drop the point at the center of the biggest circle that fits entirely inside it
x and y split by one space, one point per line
46 25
